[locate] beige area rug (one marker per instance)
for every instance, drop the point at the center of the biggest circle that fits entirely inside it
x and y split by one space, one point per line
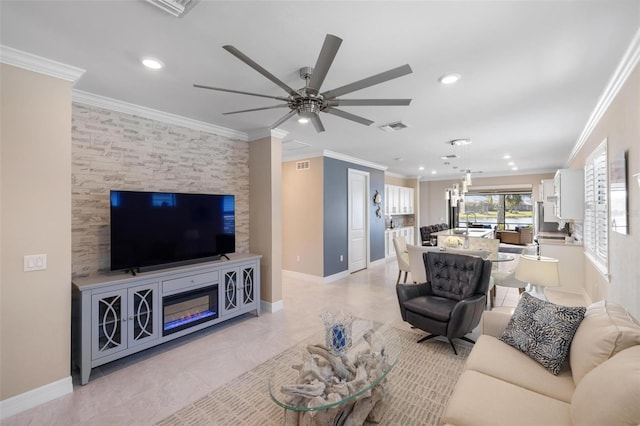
419 387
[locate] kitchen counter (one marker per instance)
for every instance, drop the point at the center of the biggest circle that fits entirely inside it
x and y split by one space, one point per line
464 232
557 238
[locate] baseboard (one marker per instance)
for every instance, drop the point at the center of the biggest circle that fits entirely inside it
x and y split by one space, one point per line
335 277
271 307
302 277
378 262
35 397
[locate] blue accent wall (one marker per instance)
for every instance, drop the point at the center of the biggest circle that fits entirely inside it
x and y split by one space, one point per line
336 185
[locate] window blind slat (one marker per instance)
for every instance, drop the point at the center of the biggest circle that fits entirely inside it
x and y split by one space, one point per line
596 231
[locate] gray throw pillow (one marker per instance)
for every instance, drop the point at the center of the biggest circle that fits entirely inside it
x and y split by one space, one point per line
543 330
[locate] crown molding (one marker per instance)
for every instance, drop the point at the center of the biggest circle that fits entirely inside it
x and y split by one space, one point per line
31 62
450 177
354 160
86 98
286 157
267 133
621 74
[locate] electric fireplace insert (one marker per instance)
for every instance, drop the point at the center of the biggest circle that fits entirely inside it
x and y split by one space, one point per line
189 308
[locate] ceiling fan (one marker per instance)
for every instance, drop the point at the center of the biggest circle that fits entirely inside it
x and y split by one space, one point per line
308 102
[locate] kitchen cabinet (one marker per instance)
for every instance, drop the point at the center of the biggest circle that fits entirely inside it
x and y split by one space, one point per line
399 199
392 199
406 231
568 188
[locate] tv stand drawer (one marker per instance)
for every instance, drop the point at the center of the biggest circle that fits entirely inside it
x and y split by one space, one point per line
190 281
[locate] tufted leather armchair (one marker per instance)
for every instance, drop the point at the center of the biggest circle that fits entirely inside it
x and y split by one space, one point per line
452 300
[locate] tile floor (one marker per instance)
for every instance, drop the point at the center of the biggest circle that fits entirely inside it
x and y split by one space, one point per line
146 387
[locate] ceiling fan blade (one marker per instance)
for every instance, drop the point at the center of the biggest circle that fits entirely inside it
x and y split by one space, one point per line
284 118
323 63
244 58
200 86
368 102
369 81
317 123
348 116
255 109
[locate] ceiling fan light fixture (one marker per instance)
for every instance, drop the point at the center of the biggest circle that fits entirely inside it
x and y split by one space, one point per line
304 116
449 78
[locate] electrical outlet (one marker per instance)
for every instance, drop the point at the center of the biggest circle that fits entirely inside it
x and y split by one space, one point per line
35 262
341 258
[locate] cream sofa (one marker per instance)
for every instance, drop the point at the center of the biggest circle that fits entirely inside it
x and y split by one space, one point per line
598 385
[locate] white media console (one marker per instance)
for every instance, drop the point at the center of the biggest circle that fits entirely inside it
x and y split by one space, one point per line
116 314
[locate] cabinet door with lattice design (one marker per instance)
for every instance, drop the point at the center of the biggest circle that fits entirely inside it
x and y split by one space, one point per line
247 285
143 321
229 296
108 316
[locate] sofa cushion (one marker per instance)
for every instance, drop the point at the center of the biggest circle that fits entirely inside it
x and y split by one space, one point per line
606 329
479 399
495 358
543 330
610 393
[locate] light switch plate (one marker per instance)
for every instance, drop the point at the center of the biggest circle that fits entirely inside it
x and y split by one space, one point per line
35 262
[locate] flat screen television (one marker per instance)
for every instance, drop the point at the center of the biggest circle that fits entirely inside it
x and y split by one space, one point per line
152 230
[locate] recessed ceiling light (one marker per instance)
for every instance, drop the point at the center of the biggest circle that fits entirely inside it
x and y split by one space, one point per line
153 63
506 156
433 172
421 168
510 163
449 157
514 168
449 78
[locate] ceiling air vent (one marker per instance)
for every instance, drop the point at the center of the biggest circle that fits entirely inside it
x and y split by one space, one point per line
395 126
174 7
303 165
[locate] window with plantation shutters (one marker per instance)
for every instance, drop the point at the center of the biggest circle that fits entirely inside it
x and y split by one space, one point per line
596 232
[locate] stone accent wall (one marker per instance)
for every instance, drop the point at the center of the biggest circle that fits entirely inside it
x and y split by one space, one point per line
113 150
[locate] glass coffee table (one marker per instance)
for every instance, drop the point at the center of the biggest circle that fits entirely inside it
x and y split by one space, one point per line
309 382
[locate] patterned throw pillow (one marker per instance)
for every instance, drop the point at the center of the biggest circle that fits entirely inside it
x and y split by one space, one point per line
543 330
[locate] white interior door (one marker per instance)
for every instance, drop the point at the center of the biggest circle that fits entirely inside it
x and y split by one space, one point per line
358 220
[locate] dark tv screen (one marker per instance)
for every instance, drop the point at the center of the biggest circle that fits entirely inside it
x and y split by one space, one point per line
156 229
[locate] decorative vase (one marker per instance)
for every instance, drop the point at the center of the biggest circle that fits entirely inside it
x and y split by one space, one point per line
337 332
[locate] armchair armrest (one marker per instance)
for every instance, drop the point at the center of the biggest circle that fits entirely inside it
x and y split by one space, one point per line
409 291
465 315
494 322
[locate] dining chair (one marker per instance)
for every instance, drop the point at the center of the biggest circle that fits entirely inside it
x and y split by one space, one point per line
416 262
400 244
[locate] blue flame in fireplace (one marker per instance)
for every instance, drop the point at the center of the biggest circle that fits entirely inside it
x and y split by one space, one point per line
200 316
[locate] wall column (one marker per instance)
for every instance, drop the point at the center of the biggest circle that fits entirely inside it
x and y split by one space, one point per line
265 215
35 206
